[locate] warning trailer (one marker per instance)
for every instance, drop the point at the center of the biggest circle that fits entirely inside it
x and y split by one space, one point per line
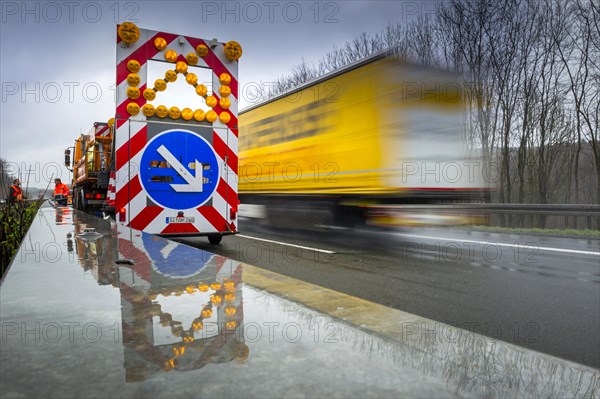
162 169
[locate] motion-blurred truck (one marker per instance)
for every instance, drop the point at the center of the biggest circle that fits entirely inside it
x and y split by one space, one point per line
359 145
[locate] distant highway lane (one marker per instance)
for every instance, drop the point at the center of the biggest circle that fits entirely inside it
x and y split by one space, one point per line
538 292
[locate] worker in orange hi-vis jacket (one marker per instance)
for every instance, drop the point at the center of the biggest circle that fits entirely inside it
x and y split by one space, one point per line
16 194
61 192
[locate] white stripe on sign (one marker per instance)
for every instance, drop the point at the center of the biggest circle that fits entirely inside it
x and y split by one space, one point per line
289 245
500 244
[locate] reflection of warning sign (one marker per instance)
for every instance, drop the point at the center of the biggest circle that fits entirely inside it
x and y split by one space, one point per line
175 260
179 170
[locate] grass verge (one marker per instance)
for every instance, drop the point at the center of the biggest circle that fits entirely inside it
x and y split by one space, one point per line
15 220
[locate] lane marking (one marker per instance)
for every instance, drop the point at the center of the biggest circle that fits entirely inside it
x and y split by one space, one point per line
325 251
500 244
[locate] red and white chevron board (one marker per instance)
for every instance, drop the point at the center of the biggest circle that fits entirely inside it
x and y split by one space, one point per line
111 193
101 130
131 138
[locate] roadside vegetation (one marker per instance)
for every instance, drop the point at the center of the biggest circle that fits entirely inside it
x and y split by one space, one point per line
15 220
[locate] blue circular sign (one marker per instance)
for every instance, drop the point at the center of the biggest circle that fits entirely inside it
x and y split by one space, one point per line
179 169
179 262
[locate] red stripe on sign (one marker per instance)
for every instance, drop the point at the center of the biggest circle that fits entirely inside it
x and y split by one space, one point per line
224 151
214 218
227 193
145 217
120 122
131 147
215 64
175 228
221 260
142 54
101 131
237 274
127 192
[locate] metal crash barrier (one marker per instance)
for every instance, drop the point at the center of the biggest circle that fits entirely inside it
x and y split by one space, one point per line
90 308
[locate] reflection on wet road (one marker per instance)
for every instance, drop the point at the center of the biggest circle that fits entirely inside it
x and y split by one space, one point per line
169 320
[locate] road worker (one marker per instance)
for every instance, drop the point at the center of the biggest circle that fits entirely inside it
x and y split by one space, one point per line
16 194
61 192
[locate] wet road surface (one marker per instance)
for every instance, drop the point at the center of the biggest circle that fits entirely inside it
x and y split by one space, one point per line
119 313
542 293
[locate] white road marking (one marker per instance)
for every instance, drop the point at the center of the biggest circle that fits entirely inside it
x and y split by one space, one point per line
289 245
500 244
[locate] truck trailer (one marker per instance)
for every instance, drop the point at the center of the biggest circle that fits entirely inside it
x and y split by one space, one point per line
357 146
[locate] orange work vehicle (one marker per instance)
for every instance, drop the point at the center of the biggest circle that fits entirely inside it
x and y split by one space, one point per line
92 156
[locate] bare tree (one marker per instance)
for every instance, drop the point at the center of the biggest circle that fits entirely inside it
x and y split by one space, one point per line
532 86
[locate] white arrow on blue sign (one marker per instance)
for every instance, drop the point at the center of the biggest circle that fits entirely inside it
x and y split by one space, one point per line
192 174
194 182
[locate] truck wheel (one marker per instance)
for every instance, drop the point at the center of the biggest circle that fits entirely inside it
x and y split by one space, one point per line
77 199
74 198
82 206
215 238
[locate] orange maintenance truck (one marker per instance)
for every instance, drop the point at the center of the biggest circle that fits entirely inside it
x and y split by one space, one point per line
92 156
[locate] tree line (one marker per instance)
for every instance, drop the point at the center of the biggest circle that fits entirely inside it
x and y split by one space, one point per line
532 87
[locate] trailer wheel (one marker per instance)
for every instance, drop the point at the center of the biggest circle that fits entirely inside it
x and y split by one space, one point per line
215 238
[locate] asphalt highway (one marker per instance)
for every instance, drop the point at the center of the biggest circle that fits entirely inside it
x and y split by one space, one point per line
539 292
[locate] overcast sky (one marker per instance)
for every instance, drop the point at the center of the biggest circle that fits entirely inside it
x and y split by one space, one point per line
58 58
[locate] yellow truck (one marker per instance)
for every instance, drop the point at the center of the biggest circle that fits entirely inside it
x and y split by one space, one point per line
374 135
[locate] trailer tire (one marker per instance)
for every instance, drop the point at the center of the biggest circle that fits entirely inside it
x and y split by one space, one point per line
215 239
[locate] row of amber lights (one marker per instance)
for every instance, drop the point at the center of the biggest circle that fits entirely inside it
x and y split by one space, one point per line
216 300
129 33
197 324
228 286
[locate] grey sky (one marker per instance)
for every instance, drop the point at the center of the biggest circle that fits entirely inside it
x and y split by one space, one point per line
58 58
